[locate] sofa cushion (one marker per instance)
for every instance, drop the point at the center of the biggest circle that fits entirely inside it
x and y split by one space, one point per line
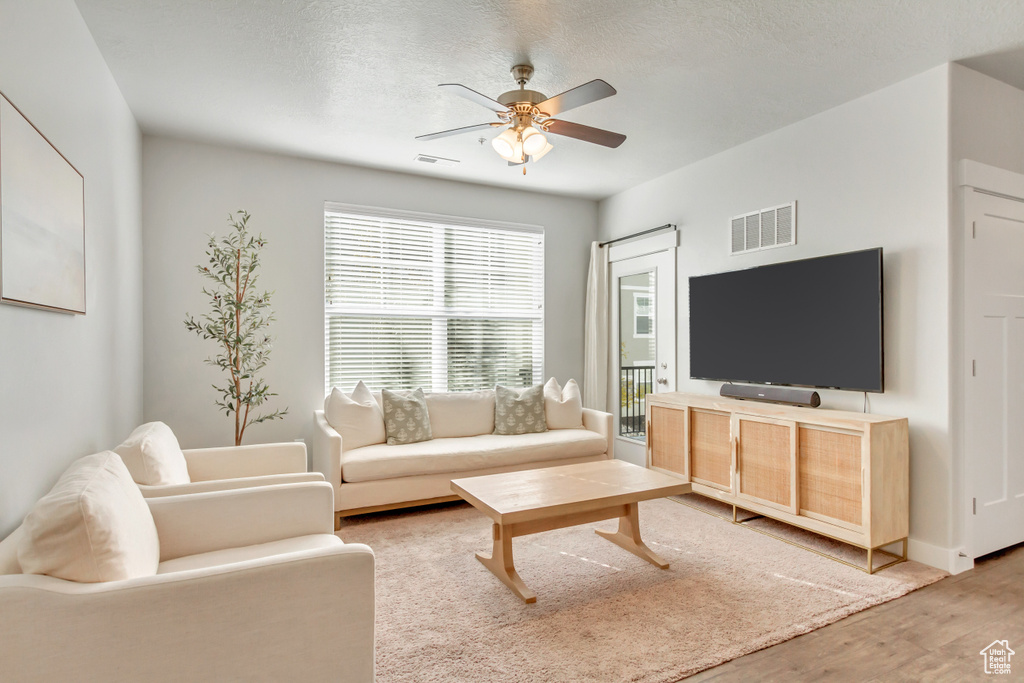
468 453
152 455
468 413
406 417
563 406
93 525
216 558
519 411
356 417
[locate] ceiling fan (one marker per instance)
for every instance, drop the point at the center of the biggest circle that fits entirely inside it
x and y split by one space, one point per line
528 115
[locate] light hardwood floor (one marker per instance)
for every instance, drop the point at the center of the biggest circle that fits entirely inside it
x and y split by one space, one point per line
933 634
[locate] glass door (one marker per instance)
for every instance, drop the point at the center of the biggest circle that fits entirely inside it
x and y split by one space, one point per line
644 345
638 350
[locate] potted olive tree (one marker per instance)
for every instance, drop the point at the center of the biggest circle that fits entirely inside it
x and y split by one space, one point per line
237 322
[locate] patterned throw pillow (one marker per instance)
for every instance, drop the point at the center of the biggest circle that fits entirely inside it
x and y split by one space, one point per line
405 416
519 412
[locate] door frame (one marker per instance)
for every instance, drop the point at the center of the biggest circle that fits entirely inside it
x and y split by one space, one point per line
976 181
662 244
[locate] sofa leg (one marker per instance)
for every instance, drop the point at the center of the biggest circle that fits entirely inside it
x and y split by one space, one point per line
337 520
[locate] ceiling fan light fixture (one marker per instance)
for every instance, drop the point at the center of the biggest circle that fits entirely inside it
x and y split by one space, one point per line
505 144
527 115
533 141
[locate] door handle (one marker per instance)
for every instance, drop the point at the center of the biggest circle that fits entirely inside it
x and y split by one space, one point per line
662 380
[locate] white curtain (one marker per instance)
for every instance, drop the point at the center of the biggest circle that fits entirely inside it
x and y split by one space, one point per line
596 331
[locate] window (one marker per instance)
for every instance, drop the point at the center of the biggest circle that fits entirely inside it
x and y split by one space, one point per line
643 322
437 302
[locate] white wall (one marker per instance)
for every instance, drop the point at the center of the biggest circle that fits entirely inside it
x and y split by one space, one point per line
986 125
71 385
870 173
188 190
985 120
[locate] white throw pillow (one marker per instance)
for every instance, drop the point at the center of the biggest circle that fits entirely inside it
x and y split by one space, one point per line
9 552
152 455
563 407
357 417
93 525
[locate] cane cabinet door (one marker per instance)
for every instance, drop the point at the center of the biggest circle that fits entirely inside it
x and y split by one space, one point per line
710 448
831 466
666 440
765 453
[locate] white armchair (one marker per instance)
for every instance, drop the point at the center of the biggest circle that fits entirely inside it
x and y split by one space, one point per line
235 467
161 468
251 585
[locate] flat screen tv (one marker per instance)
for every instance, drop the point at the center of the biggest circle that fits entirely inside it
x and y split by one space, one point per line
810 323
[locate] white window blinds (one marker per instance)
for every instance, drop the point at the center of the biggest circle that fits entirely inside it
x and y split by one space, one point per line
430 301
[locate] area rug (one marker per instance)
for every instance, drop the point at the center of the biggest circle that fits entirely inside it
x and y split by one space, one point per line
601 614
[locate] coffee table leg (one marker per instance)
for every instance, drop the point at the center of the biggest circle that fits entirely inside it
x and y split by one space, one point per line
500 564
628 537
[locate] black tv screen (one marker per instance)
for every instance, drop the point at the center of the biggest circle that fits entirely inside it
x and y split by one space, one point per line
810 323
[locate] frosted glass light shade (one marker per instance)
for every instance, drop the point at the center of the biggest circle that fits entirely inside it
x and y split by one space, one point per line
505 143
533 141
547 148
517 154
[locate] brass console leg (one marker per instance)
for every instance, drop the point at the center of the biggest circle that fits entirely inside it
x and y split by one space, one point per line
628 537
500 564
902 558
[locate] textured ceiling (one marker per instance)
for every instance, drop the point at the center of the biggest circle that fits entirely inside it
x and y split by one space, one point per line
356 81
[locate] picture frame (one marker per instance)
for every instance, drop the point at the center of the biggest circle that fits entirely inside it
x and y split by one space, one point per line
42 219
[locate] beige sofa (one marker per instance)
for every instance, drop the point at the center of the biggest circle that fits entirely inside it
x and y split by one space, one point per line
381 477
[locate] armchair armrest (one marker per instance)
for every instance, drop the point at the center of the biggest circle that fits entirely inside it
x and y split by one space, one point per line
227 484
600 422
230 462
327 446
203 522
227 622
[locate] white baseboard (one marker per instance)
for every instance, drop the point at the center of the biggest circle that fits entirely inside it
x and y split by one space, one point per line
946 559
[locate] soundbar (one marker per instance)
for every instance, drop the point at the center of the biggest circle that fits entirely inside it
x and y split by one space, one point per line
785 395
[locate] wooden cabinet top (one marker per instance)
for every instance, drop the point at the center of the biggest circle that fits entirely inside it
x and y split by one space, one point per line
822 416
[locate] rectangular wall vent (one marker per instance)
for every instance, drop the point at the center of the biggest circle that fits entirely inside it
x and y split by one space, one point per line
437 161
764 229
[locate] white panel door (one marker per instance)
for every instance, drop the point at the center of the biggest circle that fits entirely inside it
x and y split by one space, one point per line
994 383
643 344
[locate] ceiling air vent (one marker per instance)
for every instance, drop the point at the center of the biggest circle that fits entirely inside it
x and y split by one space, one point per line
436 161
764 229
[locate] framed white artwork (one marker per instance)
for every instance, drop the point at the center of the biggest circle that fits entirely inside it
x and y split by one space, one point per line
42 219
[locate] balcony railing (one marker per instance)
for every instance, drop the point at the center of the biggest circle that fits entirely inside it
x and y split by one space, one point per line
634 385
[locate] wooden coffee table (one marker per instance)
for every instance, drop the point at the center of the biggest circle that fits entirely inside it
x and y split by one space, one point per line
531 501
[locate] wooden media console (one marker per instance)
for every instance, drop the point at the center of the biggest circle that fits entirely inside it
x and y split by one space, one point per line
841 474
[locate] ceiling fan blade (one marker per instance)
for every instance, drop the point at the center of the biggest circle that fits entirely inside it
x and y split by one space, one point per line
453 131
585 133
474 96
582 94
